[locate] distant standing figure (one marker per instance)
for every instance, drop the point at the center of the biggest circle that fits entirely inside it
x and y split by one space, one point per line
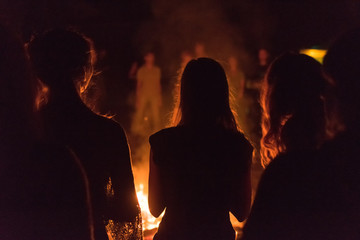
253 88
63 60
148 95
236 78
264 57
185 58
237 87
199 50
200 168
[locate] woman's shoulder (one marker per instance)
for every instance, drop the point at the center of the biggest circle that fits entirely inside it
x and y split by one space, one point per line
277 176
239 136
169 130
164 134
179 132
239 139
283 162
108 126
279 164
292 165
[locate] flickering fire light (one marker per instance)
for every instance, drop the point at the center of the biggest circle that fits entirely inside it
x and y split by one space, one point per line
149 222
317 54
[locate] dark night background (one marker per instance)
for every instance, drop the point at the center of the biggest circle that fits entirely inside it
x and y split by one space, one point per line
124 29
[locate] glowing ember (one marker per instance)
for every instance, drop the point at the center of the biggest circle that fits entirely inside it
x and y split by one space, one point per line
149 222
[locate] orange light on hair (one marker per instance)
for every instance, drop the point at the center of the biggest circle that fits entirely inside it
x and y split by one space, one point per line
317 54
42 94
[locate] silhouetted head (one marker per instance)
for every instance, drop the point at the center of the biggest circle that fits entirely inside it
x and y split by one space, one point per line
149 59
62 59
342 65
204 96
263 57
293 108
233 63
16 86
199 50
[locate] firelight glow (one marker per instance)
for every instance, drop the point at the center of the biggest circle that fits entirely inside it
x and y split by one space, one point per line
149 222
317 54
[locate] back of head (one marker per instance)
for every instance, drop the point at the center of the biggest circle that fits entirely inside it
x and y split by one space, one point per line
342 65
59 57
204 95
293 114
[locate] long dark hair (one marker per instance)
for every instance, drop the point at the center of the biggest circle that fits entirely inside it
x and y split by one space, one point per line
342 67
293 107
204 96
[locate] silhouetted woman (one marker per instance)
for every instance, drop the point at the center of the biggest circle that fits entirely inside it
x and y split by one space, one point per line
200 168
340 155
293 126
63 61
44 193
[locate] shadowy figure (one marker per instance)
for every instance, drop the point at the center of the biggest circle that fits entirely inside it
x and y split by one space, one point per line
200 169
253 88
293 124
340 156
185 59
44 191
236 78
63 61
293 109
263 56
199 50
148 95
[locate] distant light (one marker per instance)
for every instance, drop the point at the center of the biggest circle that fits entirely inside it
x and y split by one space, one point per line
317 54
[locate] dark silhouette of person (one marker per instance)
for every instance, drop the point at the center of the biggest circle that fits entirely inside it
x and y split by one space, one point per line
293 108
263 64
44 191
63 61
200 168
339 159
293 125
